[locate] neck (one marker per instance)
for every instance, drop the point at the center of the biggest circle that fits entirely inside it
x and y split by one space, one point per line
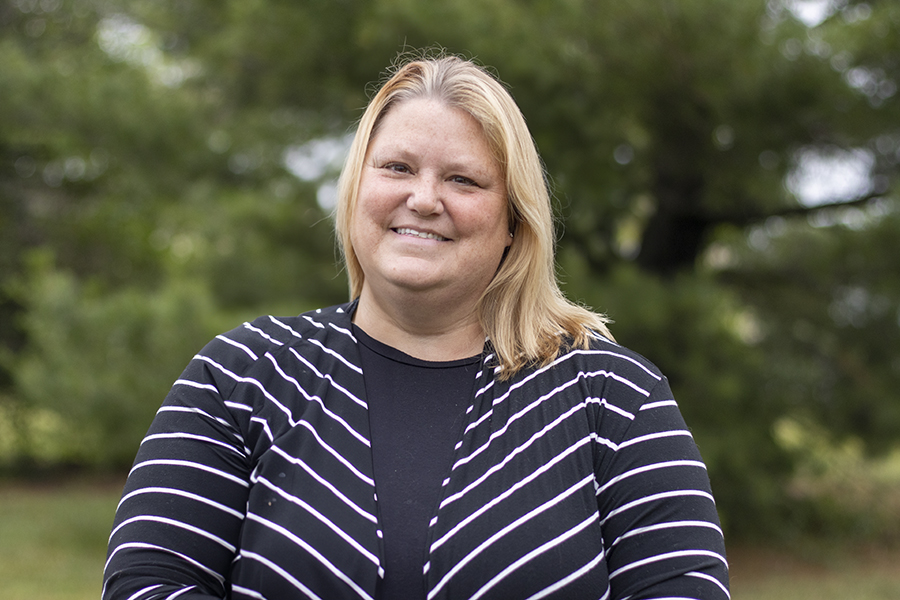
421 329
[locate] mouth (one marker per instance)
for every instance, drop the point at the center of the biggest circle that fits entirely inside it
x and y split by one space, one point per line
419 234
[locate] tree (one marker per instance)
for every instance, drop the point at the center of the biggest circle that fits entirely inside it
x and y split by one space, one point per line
149 147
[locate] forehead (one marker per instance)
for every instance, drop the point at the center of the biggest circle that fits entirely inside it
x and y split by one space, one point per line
425 114
435 121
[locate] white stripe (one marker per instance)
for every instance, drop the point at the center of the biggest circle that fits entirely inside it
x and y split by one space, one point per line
620 356
622 380
285 326
265 426
519 484
317 324
238 406
346 332
337 455
312 551
340 532
604 442
485 388
183 494
305 424
667 556
317 400
709 578
183 557
612 407
296 461
198 411
181 592
600 337
580 375
534 554
336 355
191 436
667 525
144 591
235 376
515 418
249 352
655 436
655 497
660 404
651 467
263 334
572 577
290 578
189 464
329 378
174 523
536 436
500 534
194 384
246 592
574 353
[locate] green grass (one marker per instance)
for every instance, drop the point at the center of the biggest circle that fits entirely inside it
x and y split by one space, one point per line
53 539
53 545
824 573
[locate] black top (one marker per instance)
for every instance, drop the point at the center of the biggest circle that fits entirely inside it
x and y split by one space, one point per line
574 481
416 410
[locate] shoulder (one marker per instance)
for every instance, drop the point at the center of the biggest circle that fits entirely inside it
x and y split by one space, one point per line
602 372
238 349
606 358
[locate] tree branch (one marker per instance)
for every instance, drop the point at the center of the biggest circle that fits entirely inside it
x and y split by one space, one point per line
792 211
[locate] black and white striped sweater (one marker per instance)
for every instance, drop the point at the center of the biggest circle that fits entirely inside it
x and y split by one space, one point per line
577 480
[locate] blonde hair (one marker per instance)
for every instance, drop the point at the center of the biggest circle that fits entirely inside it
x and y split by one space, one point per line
522 311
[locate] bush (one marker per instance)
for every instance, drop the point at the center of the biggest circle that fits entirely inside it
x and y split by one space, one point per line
98 363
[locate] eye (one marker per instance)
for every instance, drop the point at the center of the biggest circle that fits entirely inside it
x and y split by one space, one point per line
463 180
397 167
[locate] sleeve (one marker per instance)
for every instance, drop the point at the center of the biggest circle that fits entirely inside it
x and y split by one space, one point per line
660 526
177 526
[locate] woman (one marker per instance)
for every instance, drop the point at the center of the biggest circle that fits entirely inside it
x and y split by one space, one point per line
458 430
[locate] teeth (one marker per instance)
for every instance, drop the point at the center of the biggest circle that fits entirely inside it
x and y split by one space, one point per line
427 236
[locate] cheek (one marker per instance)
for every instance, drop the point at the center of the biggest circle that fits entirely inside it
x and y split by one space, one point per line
494 226
373 205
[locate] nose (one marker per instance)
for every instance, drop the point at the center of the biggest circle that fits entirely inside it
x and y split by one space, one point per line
425 196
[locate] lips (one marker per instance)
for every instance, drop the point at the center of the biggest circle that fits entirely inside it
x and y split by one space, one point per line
420 234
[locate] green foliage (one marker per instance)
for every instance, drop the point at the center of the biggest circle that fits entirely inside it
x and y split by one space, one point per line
826 300
102 360
53 538
702 341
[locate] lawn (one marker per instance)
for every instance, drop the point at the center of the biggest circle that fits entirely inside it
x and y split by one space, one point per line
53 544
53 539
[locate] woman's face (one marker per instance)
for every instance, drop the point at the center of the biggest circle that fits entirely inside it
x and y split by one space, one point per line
431 215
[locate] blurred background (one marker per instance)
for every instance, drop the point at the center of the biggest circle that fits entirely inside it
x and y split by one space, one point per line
725 176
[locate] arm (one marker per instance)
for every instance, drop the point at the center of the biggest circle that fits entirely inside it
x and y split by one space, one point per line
660 526
179 520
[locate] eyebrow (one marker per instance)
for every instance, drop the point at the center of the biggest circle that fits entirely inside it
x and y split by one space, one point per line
396 152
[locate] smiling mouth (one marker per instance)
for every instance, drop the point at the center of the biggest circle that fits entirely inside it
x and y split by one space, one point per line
420 234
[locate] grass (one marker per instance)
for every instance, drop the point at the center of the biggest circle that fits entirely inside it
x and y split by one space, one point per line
53 539
824 573
53 545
